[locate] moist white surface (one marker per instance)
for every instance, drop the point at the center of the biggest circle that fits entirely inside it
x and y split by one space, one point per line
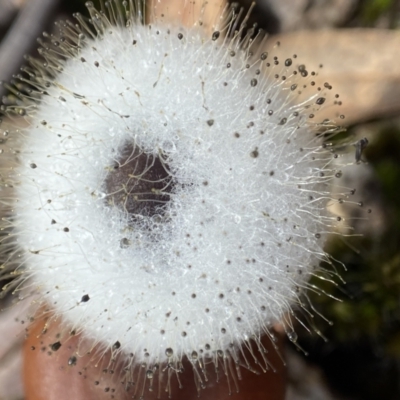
246 206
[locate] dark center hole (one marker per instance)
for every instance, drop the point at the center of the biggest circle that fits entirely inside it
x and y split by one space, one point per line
139 183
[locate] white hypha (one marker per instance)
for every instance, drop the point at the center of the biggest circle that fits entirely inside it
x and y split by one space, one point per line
172 186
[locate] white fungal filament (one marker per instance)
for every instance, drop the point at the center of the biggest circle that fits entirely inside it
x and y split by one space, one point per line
170 198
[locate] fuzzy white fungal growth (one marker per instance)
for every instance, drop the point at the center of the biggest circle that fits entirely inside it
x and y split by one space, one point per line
172 187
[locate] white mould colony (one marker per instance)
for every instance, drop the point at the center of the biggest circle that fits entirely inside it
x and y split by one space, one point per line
170 189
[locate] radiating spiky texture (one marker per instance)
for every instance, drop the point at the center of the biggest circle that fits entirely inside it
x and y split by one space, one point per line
172 187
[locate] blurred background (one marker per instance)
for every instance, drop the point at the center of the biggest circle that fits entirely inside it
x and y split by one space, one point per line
358 42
